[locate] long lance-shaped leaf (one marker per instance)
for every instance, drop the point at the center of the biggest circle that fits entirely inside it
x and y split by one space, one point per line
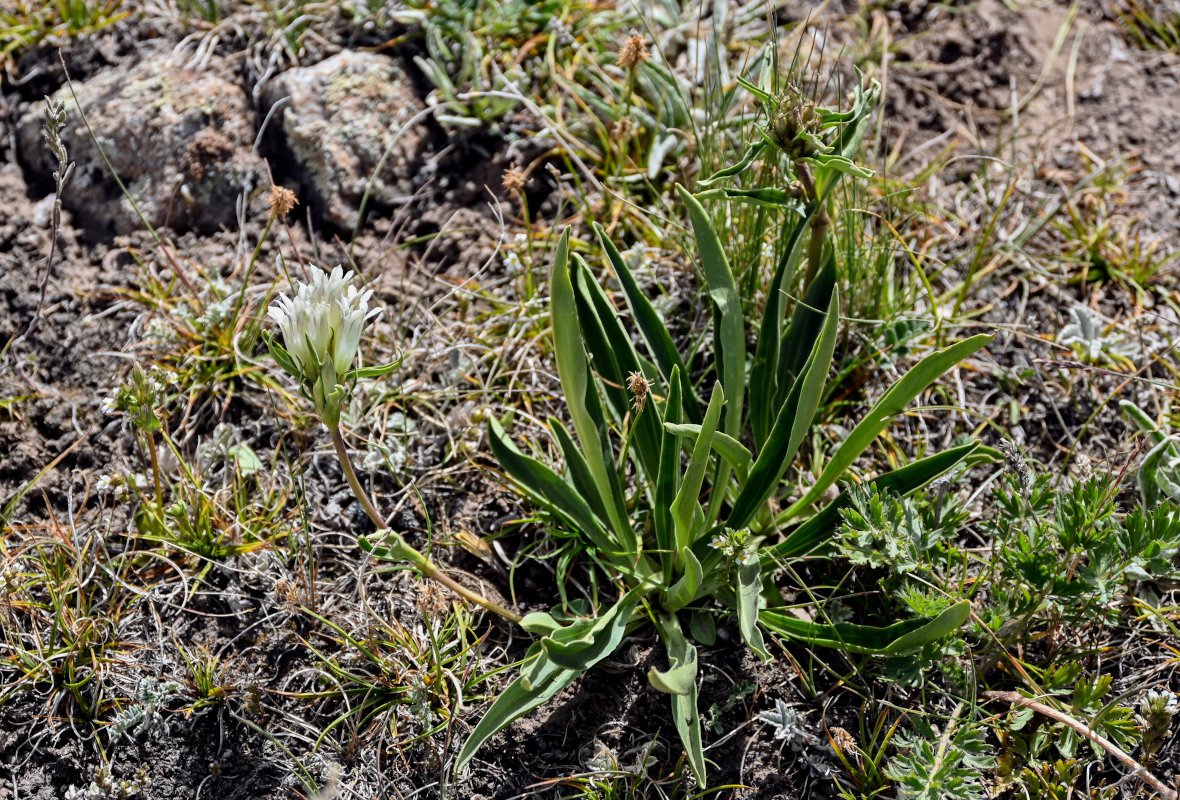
579 470
546 677
793 422
687 505
549 490
893 639
893 402
818 530
653 330
668 482
728 327
682 656
574 372
763 377
807 321
645 426
602 355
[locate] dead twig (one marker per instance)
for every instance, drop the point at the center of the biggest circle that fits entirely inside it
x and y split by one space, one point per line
1166 792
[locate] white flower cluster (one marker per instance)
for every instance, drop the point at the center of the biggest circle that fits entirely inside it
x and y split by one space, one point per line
733 544
321 329
1155 701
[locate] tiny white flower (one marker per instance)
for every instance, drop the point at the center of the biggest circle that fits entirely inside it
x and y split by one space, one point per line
519 241
104 482
719 541
109 405
767 250
747 558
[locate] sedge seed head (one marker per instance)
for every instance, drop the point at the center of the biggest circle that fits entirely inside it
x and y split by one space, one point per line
633 52
279 202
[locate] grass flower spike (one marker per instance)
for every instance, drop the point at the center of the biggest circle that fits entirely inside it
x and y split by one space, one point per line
321 329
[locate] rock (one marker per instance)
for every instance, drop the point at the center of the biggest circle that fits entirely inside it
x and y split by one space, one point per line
339 118
180 140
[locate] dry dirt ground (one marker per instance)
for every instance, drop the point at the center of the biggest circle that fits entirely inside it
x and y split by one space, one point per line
1037 102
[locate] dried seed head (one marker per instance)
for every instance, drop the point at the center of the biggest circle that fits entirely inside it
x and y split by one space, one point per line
620 128
633 51
514 179
639 386
1015 463
843 740
280 201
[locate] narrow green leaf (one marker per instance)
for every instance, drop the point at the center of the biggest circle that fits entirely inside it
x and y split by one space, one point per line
651 328
584 407
763 372
687 503
734 170
548 490
749 590
645 430
792 424
807 321
733 451
579 470
668 481
817 530
679 679
866 639
703 627
728 326
936 630
377 371
761 94
893 402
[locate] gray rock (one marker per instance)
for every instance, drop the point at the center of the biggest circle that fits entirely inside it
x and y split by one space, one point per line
180 140
338 119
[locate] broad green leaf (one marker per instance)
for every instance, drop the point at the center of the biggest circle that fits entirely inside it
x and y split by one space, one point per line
541 622
684 591
817 530
679 679
866 639
584 407
687 504
749 158
893 402
749 590
655 334
728 326
703 627
547 678
726 446
791 426
684 706
548 490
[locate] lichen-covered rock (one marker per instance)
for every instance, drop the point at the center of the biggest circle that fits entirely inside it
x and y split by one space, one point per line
339 118
180 140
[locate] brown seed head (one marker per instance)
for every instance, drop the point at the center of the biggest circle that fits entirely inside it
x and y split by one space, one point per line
621 127
280 202
514 179
633 51
638 386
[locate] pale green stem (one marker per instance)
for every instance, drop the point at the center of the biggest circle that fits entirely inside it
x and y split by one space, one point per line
397 544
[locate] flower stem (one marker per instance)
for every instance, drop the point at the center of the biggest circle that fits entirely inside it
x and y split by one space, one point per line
398 548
